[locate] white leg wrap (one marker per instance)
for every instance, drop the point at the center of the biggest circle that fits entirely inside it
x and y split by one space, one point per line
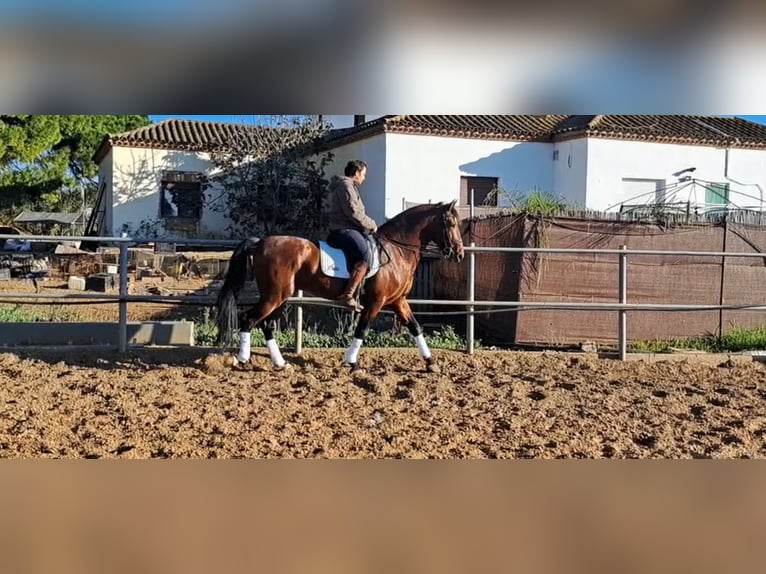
244 347
276 355
353 351
425 352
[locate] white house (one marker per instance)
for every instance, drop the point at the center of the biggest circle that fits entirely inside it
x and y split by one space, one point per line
600 162
152 176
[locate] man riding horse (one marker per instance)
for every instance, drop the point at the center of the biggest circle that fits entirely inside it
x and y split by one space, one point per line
282 264
348 223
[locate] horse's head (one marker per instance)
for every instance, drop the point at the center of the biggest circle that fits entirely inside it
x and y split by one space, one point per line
446 233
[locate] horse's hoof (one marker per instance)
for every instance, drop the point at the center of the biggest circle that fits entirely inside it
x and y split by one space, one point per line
285 367
432 367
355 368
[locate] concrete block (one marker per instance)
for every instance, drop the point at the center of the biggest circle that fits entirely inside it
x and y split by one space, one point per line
179 333
77 283
102 282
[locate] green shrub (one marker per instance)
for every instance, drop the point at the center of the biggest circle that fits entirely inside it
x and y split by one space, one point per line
445 338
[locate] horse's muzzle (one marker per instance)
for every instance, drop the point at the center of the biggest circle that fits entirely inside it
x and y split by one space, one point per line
451 254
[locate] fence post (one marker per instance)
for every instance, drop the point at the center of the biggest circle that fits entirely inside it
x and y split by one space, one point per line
471 282
623 293
123 322
299 325
722 290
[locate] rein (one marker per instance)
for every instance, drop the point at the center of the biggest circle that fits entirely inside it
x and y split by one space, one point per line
446 253
403 245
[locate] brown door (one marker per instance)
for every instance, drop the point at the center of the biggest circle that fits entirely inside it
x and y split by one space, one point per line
482 186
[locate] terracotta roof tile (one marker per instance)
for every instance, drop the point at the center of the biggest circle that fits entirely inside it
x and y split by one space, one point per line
501 127
699 130
191 135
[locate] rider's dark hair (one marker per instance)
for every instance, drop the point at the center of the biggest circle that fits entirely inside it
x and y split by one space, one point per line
353 167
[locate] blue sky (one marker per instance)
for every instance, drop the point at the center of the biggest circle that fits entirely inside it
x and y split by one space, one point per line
232 118
248 117
759 119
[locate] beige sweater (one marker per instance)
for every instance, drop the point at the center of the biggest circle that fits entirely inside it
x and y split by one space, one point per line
346 207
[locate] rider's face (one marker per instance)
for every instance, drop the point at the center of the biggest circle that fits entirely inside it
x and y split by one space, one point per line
360 176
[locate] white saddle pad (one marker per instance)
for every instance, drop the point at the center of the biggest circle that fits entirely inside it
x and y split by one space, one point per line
333 261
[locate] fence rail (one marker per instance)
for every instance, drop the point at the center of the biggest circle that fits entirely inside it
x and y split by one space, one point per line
622 306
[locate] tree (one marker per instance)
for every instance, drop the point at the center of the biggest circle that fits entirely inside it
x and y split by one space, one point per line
270 178
46 160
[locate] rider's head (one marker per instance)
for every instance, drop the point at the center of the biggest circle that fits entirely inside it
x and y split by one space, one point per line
356 169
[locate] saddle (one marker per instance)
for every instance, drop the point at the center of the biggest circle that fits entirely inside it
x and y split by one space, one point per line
334 262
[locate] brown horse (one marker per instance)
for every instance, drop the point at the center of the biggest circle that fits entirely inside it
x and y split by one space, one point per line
283 264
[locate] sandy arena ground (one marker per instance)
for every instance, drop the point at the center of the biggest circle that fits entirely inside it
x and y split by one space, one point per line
189 404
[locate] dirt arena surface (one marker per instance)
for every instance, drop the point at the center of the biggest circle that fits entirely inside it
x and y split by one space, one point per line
187 403
107 311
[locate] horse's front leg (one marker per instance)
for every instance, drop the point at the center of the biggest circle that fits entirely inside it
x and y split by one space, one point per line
405 315
366 318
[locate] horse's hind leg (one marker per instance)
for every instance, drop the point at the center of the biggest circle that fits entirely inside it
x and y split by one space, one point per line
260 314
268 326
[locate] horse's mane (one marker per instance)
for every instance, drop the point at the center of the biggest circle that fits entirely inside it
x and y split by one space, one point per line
405 221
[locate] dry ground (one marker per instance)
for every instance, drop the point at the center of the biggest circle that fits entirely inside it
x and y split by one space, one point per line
188 403
109 311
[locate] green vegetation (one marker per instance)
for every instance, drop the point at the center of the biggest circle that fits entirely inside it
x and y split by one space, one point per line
444 338
15 314
735 340
46 161
274 182
534 202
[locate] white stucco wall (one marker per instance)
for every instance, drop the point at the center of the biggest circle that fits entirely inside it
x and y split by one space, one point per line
428 168
135 190
570 171
610 161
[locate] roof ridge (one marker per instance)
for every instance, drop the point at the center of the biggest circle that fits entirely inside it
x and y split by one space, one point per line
596 121
185 121
204 135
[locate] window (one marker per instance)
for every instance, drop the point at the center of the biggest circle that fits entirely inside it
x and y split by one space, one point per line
638 191
181 196
717 194
482 186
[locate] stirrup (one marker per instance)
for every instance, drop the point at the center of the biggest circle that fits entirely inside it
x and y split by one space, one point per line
351 302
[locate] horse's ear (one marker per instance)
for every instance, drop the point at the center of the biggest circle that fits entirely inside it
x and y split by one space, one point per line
451 206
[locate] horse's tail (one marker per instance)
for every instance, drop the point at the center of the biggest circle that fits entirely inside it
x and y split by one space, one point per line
227 319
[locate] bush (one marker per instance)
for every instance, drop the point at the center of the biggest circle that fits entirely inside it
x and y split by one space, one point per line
445 338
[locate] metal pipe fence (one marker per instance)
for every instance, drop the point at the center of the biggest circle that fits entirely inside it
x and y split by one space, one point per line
622 306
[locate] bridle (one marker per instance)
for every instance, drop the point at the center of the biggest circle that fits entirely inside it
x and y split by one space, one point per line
449 248
446 252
